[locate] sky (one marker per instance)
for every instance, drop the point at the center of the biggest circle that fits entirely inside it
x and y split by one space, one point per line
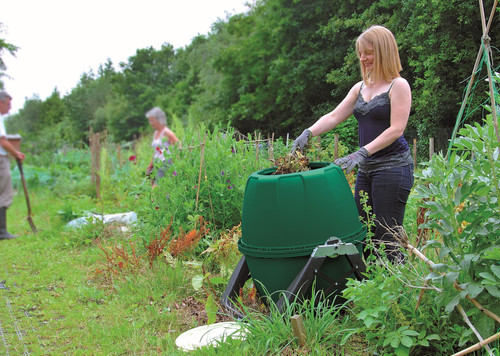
59 40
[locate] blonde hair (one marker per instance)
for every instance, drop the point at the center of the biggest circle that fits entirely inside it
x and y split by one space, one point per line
387 63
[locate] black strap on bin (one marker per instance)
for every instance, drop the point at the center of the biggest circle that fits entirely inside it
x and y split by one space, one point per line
333 248
238 279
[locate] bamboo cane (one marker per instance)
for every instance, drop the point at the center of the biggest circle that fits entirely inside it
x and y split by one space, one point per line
421 256
486 28
486 44
431 264
478 305
468 322
478 345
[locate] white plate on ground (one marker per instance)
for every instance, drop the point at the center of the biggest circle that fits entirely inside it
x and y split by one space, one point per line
209 335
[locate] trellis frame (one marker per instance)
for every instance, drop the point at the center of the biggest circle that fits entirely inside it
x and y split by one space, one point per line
484 52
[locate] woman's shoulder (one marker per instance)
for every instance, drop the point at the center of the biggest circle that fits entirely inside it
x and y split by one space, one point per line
399 85
400 82
400 89
355 89
358 86
160 133
165 132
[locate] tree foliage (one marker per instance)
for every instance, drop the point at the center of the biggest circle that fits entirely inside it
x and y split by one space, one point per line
4 46
276 68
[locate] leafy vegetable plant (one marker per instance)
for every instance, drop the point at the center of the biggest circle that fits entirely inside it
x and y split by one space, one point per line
462 196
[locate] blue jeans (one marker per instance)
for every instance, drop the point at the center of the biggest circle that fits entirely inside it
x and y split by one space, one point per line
387 191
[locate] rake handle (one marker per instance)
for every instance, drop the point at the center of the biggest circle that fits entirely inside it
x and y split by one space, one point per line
25 188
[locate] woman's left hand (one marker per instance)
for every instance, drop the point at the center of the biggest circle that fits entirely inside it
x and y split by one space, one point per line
349 162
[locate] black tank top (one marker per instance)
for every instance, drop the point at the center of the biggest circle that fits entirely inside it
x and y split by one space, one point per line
374 117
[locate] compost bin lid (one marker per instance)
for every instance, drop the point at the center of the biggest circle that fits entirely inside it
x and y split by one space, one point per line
209 335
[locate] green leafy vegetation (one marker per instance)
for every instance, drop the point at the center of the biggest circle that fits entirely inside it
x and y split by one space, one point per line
115 289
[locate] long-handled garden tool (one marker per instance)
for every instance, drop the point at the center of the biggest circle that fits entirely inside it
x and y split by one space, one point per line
30 220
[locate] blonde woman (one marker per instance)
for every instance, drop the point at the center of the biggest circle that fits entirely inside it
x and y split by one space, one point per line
163 137
381 103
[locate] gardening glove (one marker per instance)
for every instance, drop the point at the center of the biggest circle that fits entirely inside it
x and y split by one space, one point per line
349 162
301 141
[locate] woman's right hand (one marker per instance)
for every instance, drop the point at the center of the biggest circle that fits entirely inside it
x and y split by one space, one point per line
301 141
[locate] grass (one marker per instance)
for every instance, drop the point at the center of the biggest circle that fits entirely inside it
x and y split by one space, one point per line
57 303
65 297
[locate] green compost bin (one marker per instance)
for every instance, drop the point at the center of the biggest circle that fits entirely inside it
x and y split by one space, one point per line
286 216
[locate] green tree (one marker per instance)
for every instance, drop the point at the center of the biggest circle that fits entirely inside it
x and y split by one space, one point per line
144 77
4 46
274 72
53 110
185 73
25 122
440 42
84 102
277 68
209 103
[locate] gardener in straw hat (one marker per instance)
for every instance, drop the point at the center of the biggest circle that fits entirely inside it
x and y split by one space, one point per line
6 192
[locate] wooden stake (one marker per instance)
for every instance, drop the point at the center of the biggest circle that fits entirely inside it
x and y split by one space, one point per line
318 146
272 148
119 155
95 150
414 153
431 147
201 167
336 147
257 150
299 331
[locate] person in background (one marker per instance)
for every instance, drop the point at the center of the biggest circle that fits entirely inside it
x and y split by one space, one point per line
163 137
6 191
381 104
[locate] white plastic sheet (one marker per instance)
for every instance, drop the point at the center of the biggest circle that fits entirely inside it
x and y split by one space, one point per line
120 218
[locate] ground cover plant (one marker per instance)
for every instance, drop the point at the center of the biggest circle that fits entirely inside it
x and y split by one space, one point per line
120 289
